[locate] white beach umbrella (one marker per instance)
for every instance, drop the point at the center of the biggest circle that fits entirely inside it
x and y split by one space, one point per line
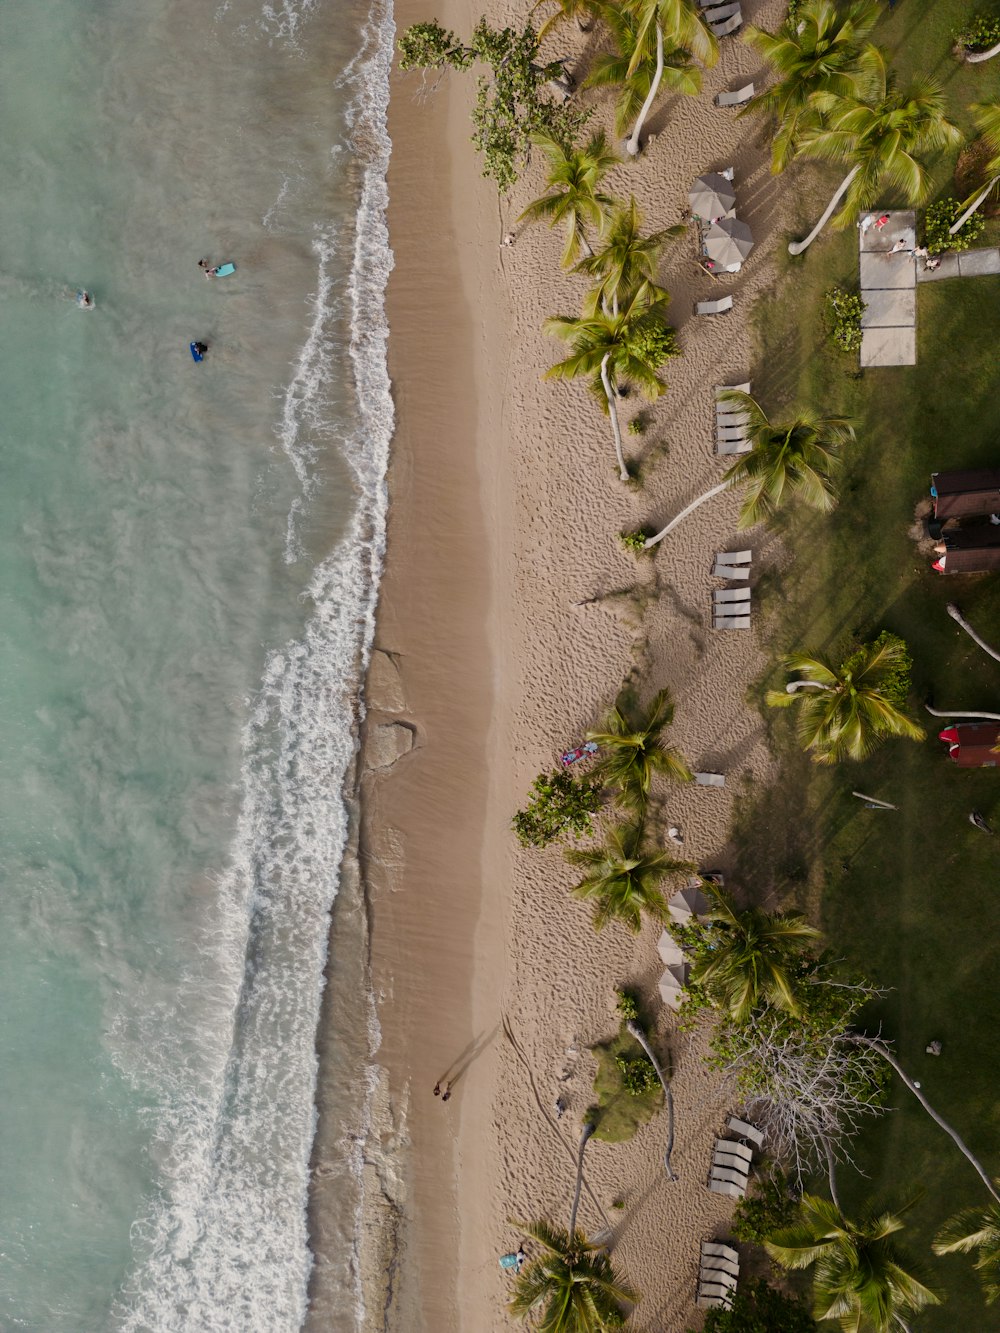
669 950
688 903
672 985
711 196
728 241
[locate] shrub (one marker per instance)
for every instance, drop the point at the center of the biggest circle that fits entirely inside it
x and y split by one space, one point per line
633 541
759 1215
656 343
627 1006
638 1075
980 33
939 217
843 318
561 804
638 425
760 1308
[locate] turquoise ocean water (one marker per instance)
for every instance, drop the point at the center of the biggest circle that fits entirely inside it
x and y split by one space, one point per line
188 559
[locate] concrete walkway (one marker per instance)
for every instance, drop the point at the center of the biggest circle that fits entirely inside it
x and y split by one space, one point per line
971 264
889 290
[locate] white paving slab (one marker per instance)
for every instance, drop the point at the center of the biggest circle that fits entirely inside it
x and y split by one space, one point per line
976 262
892 308
880 271
889 347
948 268
902 226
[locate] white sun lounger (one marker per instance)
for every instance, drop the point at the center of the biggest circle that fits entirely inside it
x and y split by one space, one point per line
729 1174
730 571
722 596
710 1301
732 388
724 1162
713 1262
738 98
734 1149
710 779
746 1131
718 1277
718 307
727 26
716 13
726 431
734 558
731 622
718 1186
733 447
719 1250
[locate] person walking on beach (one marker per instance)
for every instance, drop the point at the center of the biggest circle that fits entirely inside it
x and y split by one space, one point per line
446 1094
437 1088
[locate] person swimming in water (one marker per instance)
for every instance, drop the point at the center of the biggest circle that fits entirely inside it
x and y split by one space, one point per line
207 268
84 300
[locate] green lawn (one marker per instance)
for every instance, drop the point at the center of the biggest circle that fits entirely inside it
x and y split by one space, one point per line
909 897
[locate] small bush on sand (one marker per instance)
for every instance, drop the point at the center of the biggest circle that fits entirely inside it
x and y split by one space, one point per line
561 804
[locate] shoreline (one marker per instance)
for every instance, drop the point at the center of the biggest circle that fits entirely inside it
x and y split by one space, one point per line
503 514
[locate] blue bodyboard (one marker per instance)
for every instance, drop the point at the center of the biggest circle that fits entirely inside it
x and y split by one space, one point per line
224 270
195 354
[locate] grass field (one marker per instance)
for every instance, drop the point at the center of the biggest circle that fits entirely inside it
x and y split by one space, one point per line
911 897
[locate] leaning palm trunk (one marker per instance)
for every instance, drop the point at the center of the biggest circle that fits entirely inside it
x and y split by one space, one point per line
716 490
632 144
613 414
960 620
936 712
796 247
588 1129
668 1096
977 57
980 199
888 1057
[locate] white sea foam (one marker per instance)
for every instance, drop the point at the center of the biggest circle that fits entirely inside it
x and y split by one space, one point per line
224 1246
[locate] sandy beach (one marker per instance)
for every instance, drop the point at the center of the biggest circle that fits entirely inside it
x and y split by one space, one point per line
504 519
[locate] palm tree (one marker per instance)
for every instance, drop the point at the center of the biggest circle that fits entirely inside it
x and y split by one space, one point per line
798 457
612 68
976 1231
574 197
859 1278
674 23
623 880
879 132
627 259
987 116
846 713
632 736
571 1287
752 957
821 49
631 344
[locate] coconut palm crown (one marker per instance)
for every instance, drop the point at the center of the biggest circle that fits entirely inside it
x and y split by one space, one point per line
799 457
627 258
631 736
976 1231
820 50
846 712
881 133
623 879
752 956
859 1278
571 1287
611 69
574 197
